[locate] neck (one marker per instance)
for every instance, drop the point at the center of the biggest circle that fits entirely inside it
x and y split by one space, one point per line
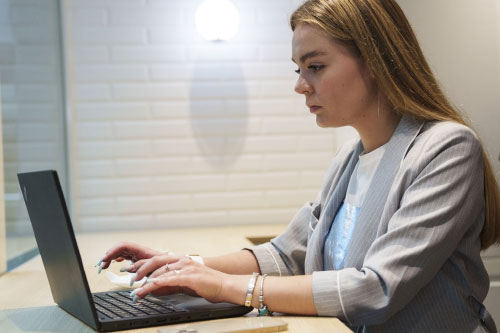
378 130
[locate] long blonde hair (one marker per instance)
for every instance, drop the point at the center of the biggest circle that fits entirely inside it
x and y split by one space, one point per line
379 31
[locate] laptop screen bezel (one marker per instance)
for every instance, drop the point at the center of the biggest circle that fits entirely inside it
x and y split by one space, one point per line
42 181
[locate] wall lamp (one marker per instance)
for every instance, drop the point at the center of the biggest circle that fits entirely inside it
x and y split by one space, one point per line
217 20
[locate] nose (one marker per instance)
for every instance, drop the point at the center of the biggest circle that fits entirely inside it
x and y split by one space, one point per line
302 86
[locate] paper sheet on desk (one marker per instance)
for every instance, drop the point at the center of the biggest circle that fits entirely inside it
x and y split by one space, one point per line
124 280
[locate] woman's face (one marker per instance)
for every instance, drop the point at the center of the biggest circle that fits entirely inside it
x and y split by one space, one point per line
338 86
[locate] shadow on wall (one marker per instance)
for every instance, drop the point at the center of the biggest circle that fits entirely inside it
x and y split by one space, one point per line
219 111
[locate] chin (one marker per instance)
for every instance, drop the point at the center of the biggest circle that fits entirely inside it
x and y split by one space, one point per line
320 122
330 123
324 124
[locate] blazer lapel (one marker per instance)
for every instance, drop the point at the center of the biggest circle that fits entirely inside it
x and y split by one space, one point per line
336 194
371 210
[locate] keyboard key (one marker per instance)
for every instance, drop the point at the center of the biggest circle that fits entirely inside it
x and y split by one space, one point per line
120 304
109 314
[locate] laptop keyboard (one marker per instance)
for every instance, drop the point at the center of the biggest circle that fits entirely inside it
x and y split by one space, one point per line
118 305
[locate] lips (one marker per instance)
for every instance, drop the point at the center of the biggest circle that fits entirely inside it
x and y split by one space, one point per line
314 108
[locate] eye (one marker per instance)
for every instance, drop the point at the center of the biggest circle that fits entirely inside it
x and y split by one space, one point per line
315 68
312 68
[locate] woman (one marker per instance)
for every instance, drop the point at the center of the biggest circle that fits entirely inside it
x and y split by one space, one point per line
393 240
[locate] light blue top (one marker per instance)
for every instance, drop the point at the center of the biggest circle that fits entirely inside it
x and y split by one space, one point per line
339 236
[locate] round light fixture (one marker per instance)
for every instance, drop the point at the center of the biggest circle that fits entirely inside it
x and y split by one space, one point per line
217 20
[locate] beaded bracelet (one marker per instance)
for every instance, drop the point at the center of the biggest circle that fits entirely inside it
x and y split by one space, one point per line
263 310
250 288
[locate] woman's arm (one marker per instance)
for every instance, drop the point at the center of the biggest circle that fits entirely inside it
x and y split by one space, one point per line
241 262
287 294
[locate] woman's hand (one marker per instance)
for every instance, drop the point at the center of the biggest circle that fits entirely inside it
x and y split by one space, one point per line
183 275
126 251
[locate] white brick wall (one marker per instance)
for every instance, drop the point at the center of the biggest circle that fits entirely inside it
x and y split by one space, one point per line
176 131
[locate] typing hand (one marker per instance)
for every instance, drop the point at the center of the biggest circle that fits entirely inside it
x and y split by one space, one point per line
151 267
183 275
126 251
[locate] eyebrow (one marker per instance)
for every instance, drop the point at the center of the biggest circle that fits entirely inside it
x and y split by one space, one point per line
310 55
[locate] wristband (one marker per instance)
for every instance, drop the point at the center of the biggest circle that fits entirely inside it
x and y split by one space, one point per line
250 288
196 258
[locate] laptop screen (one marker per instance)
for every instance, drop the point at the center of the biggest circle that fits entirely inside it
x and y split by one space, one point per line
54 235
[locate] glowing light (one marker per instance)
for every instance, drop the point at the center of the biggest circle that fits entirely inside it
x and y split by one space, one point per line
217 20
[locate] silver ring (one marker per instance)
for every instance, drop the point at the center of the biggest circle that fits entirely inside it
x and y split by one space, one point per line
176 272
166 267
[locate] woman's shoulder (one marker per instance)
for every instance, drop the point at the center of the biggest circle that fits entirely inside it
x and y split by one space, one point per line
445 139
439 130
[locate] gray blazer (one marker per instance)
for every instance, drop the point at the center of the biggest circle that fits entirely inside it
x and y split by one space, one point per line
413 261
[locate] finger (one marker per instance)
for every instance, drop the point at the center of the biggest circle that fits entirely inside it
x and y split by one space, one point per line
162 270
181 264
123 250
106 264
132 267
151 265
126 250
158 291
115 252
168 280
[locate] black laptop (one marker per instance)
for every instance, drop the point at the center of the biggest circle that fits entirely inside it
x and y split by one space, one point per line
104 311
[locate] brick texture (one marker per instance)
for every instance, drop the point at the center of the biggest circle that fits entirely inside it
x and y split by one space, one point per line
176 131
168 129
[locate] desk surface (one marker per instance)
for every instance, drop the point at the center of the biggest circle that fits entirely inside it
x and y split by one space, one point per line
26 302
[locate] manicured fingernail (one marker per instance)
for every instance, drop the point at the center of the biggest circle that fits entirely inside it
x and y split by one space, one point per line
134 300
132 279
135 291
126 268
152 280
100 269
99 262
